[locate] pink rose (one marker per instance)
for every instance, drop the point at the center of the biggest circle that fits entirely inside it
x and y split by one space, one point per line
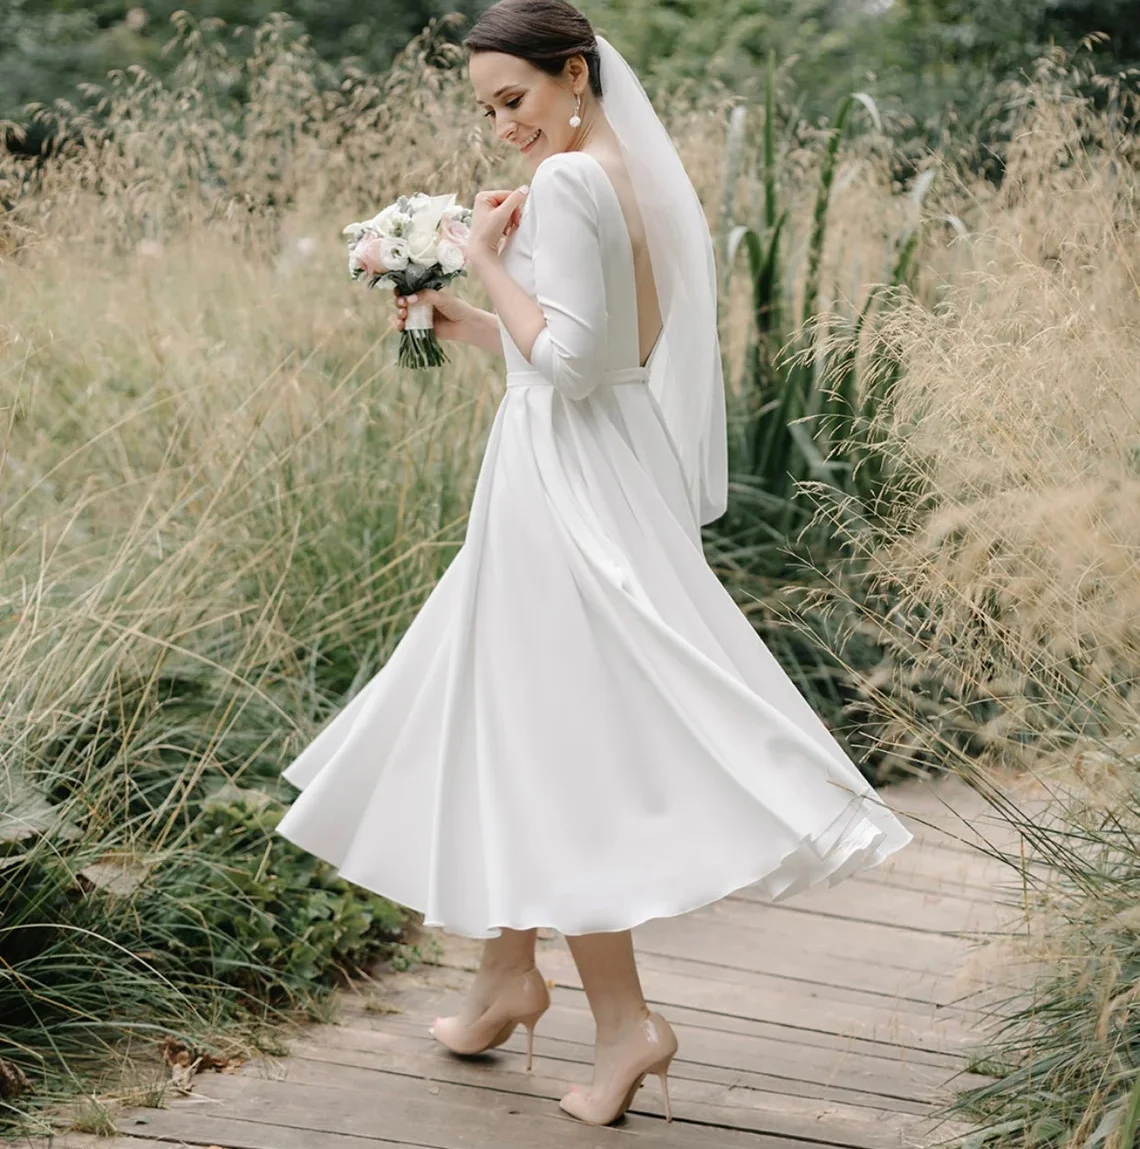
454 231
369 256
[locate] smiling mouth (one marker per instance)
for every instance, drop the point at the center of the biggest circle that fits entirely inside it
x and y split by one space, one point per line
526 143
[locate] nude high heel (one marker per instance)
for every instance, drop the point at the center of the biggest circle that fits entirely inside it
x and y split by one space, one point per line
521 1002
652 1052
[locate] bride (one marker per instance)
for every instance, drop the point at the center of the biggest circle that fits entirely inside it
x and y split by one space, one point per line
580 730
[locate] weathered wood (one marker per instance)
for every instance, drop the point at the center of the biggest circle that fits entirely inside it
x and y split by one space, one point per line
91 1141
670 980
720 945
993 891
904 910
566 1036
744 1105
423 1113
714 1023
836 1019
870 944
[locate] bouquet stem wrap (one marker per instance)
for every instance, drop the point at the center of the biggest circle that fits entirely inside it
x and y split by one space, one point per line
419 347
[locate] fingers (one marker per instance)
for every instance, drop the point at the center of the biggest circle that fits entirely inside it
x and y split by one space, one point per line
512 208
493 197
424 295
510 203
402 302
496 197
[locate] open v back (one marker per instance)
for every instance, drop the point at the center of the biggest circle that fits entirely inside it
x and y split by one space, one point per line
578 183
646 300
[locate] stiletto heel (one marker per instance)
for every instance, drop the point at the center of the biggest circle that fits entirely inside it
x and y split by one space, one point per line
652 1053
523 1002
662 1071
530 1023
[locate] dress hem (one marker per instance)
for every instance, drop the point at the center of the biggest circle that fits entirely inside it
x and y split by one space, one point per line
860 855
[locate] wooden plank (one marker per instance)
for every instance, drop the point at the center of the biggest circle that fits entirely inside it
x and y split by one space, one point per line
426 1114
91 1141
907 911
996 892
565 1034
555 956
742 1106
721 945
973 873
233 1131
871 944
719 1027
673 982
955 815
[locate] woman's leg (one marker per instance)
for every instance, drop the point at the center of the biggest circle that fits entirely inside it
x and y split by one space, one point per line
631 1041
609 976
504 958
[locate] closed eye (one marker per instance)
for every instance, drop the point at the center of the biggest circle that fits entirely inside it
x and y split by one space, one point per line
510 104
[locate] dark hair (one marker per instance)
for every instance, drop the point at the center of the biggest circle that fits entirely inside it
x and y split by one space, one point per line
545 33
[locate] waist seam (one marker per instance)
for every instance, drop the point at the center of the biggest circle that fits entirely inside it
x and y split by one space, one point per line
611 378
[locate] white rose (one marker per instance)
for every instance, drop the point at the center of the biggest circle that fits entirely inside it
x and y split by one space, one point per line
395 253
450 257
423 245
431 210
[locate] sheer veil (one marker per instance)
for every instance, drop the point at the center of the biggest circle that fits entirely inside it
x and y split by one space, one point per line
685 373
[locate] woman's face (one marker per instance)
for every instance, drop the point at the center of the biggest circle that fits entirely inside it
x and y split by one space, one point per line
525 105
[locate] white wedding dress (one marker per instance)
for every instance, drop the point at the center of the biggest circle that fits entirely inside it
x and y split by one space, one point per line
580 729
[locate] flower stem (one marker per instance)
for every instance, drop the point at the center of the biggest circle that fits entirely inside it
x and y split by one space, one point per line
420 350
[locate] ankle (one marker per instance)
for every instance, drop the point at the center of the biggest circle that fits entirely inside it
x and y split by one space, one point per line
505 965
512 953
617 1024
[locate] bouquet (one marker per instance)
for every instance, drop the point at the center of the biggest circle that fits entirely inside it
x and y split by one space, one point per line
419 241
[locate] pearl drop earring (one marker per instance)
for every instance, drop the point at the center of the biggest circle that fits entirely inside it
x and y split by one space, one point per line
576 119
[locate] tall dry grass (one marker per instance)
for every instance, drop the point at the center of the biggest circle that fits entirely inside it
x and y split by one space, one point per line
1004 581
1014 423
220 506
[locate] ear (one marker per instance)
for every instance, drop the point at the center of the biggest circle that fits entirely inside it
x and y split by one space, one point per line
577 68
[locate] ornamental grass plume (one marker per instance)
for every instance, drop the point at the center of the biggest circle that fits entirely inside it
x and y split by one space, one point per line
1006 588
1005 565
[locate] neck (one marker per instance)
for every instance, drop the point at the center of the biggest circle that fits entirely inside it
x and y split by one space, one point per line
594 130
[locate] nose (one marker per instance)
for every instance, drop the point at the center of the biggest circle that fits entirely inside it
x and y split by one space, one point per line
505 129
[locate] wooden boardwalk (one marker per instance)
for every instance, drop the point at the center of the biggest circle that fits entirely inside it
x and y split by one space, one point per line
838 1019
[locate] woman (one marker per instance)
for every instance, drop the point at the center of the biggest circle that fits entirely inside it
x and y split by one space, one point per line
580 730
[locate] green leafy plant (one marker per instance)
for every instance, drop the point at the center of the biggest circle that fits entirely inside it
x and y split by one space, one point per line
800 416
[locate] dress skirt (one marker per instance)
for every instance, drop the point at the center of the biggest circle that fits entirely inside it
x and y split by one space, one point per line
580 729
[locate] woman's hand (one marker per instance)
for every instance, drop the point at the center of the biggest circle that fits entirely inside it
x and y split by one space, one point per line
495 215
450 316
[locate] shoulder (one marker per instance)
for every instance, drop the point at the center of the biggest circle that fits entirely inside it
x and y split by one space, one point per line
566 174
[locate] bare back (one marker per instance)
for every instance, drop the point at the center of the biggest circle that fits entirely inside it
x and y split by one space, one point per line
648 311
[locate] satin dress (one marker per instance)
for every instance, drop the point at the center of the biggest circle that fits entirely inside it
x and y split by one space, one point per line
580 729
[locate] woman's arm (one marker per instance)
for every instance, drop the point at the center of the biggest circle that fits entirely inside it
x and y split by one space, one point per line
562 331
455 319
482 330
522 316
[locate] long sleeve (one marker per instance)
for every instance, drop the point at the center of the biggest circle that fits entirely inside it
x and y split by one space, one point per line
568 277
